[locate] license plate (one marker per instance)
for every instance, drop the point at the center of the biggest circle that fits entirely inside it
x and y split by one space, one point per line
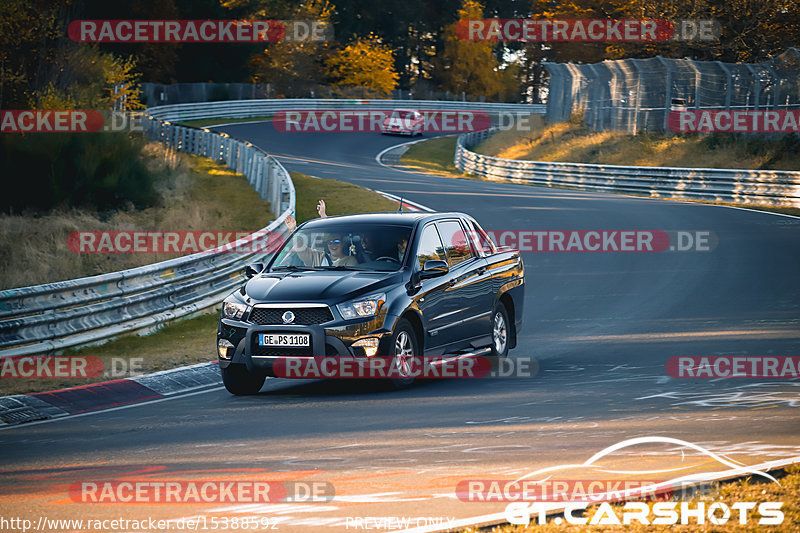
281 339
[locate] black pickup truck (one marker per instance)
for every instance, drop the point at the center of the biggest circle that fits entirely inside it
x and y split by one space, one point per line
397 285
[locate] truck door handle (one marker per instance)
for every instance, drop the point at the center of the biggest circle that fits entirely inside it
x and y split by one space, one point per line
481 270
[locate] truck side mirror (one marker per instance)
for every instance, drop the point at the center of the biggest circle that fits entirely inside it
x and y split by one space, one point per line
433 269
254 269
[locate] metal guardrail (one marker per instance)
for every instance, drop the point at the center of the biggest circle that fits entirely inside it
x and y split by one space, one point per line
263 108
751 187
49 318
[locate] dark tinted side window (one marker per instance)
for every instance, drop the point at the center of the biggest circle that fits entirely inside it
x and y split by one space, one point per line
430 246
456 245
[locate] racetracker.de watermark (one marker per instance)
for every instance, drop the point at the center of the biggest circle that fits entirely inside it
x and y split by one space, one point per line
206 241
173 242
138 491
351 121
587 30
733 366
69 367
622 241
555 490
68 121
199 31
733 121
418 367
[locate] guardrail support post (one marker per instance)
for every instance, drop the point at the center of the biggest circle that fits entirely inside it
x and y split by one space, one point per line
667 91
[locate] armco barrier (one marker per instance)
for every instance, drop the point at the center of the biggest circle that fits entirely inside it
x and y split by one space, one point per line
752 187
264 108
50 318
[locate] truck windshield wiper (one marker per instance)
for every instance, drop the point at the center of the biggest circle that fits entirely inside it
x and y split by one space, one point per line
340 267
295 268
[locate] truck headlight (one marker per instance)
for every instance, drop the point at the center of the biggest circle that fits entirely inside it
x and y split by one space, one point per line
363 307
233 309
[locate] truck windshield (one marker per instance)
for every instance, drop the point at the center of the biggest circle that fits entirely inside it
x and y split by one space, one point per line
338 246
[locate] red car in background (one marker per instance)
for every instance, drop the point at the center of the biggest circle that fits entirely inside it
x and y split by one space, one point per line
403 122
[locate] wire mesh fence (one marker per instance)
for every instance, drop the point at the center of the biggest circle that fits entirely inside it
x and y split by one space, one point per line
637 95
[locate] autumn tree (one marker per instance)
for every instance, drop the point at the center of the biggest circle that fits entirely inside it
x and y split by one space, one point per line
158 62
470 67
41 67
294 68
366 63
750 31
84 77
27 32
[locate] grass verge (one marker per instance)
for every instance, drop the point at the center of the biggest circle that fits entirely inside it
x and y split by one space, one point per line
435 156
340 198
574 142
749 489
181 343
192 341
205 122
194 194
